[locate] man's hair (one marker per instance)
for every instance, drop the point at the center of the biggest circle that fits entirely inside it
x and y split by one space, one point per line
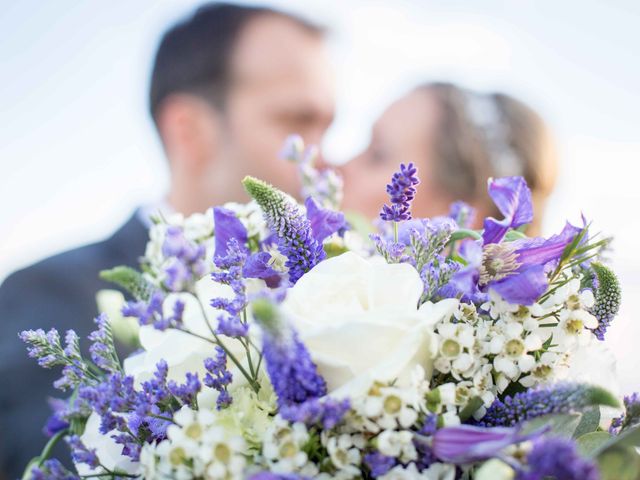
194 55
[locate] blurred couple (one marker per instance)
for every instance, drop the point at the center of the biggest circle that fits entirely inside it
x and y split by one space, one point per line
229 84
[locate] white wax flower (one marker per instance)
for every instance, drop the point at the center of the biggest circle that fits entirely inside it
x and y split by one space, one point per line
359 319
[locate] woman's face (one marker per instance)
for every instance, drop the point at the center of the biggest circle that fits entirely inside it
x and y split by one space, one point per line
405 133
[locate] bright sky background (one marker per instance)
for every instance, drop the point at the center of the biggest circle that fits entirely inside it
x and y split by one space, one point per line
78 152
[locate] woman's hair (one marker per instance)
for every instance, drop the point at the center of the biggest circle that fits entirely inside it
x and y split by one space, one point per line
490 135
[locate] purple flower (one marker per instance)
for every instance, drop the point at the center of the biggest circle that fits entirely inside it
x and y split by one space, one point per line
324 222
293 229
218 377
328 412
630 417
276 476
562 398
554 457
80 453
150 312
228 226
102 350
513 198
52 470
56 421
462 213
187 391
401 192
293 374
187 260
467 443
378 463
515 270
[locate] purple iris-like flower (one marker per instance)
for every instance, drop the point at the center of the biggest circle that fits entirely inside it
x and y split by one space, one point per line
466 443
324 222
227 226
401 192
515 270
513 198
555 457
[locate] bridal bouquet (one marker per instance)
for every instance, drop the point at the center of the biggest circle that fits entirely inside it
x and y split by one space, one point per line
277 343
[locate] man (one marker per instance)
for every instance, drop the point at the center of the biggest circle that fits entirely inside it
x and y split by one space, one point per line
228 85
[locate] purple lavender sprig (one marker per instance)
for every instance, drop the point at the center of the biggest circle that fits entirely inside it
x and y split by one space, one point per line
327 413
561 398
218 377
293 374
187 260
231 265
293 229
401 192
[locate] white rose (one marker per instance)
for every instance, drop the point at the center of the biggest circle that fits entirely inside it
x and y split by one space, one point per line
360 321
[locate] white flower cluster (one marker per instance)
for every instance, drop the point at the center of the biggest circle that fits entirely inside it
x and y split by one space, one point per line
197 446
481 354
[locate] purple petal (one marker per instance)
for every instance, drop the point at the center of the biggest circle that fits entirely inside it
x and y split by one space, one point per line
257 266
513 198
226 227
466 443
524 287
538 251
324 222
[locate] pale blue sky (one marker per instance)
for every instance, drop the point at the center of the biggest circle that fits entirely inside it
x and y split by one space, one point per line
78 152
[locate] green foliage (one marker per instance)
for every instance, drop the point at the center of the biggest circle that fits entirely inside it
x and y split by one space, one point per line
129 279
609 293
588 423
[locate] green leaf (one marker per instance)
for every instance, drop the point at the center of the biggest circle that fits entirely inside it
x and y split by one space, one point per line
628 438
514 235
470 408
462 233
129 279
588 423
619 463
591 442
563 425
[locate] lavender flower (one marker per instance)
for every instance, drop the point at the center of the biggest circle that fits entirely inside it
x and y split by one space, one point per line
102 350
293 229
324 186
391 251
554 457
47 350
462 213
56 421
427 238
378 463
80 453
562 398
401 192
328 412
218 377
293 374
608 297
436 275
52 470
187 260
187 391
630 417
231 271
151 312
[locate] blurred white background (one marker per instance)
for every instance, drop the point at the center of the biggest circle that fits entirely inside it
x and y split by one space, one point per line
78 151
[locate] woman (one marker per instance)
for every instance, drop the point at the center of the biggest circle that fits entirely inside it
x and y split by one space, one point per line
457 139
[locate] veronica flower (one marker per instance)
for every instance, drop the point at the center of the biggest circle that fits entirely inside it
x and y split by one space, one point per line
293 374
555 457
466 443
295 237
562 398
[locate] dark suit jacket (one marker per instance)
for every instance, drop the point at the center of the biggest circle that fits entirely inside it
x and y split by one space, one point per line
58 292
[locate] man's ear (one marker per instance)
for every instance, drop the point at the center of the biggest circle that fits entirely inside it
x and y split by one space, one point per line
189 128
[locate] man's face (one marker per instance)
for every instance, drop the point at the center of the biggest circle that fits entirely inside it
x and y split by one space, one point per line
281 84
